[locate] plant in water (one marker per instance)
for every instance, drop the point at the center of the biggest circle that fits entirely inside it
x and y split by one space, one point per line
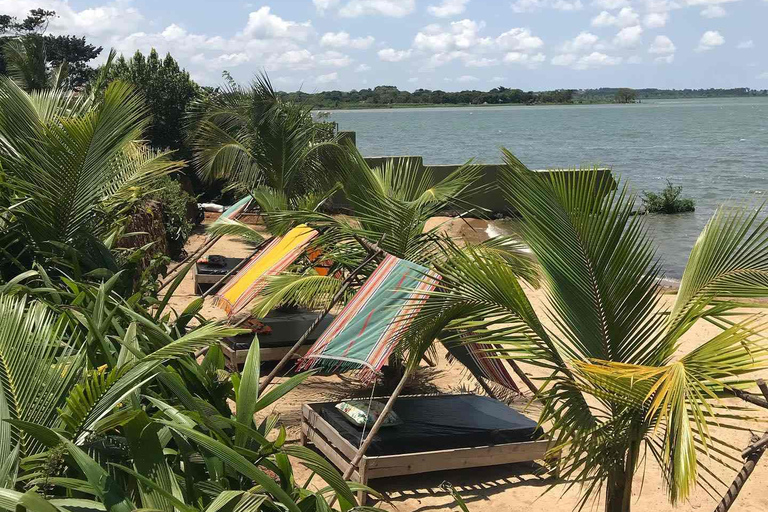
617 388
668 201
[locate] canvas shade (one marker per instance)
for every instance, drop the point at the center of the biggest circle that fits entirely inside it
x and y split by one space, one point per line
364 333
480 360
234 211
273 259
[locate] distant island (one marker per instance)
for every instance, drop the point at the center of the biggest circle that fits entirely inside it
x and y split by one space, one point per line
388 96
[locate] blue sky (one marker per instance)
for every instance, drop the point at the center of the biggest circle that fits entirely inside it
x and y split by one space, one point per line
438 44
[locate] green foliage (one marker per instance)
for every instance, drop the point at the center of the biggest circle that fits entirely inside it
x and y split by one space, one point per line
176 203
616 387
60 208
668 201
625 95
168 91
74 53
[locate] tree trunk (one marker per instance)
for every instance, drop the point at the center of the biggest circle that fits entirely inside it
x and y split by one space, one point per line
618 496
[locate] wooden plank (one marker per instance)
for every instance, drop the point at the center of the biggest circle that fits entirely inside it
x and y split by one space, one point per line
482 456
327 449
237 357
316 422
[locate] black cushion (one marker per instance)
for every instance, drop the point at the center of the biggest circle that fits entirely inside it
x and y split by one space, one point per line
439 422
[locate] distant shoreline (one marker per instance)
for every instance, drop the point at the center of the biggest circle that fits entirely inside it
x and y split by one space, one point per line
380 106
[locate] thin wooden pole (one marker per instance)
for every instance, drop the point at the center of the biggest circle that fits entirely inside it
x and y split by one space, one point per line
236 268
486 387
295 348
752 454
520 373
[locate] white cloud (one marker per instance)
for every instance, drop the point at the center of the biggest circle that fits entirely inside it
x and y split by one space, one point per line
322 5
393 8
392 55
263 25
525 59
528 5
662 45
710 39
583 41
467 78
628 36
611 4
666 59
448 8
519 39
413 79
324 79
118 17
460 35
343 40
763 75
592 60
597 59
625 18
713 11
534 5
634 59
334 59
565 59
656 19
567 5
292 59
498 79
481 62
362 68
745 45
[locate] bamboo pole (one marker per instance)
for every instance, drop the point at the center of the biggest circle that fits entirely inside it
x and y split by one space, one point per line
752 454
520 373
295 348
236 268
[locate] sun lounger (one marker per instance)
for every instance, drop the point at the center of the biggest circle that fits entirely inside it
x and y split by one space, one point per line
207 275
439 432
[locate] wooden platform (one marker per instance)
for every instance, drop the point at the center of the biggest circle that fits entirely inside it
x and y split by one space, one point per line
338 450
206 276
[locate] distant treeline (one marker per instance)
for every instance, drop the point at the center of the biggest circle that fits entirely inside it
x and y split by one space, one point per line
387 95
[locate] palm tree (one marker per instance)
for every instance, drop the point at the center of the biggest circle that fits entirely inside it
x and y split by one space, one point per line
72 167
262 145
28 64
615 389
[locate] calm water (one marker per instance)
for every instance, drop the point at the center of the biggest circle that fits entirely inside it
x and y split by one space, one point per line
716 149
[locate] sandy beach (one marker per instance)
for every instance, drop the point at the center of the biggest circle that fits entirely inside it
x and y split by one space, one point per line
501 488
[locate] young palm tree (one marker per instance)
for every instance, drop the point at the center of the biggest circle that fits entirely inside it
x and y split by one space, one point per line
71 167
28 64
615 389
262 145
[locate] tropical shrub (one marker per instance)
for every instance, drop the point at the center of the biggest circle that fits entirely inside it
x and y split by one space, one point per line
668 201
71 169
175 203
104 407
615 389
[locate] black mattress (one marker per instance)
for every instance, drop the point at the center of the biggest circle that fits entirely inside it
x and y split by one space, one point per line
439 422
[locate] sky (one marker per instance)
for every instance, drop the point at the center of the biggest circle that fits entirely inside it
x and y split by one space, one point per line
317 45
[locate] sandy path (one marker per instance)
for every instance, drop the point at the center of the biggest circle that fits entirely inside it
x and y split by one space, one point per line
512 487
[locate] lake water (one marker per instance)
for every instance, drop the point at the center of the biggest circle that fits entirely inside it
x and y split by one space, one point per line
716 149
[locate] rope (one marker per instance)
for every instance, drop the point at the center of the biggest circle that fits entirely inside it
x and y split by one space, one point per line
370 401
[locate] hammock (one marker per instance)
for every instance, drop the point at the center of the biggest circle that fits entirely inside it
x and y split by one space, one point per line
479 360
270 261
364 333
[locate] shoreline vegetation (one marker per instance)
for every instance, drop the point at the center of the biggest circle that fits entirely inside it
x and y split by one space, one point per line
387 96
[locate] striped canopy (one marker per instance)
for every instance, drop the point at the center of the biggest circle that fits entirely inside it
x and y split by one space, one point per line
479 359
270 261
235 210
364 333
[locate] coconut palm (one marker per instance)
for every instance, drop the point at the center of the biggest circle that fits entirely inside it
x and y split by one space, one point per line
390 207
255 141
28 64
71 168
616 388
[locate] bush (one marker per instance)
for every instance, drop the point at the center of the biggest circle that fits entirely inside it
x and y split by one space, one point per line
175 202
668 201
